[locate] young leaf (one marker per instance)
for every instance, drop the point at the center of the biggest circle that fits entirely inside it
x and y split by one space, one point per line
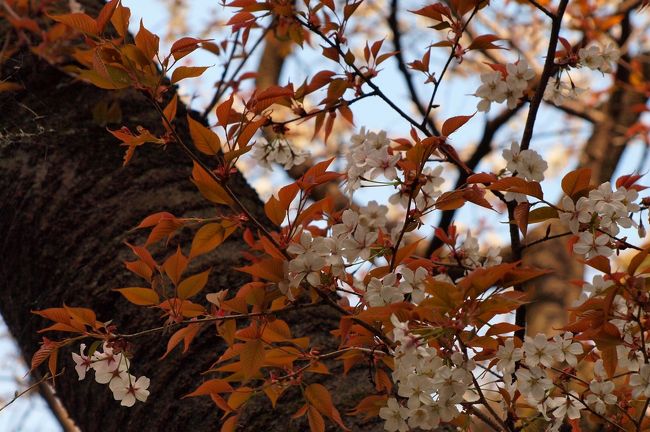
140 296
147 42
205 140
183 72
193 284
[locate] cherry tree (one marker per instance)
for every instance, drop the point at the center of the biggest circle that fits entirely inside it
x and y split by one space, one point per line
318 307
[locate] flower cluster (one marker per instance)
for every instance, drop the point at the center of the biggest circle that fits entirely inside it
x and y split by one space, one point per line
527 164
509 86
369 157
279 151
431 386
112 368
351 240
557 91
600 59
598 217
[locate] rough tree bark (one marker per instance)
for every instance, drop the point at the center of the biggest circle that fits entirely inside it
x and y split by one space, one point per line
66 206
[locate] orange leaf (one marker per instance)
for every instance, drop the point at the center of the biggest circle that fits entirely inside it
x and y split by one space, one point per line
193 284
140 296
211 386
576 181
120 19
175 265
320 398
184 46
370 406
170 111
147 42
205 140
211 235
208 187
274 210
452 124
186 335
252 357
316 421
78 21
182 72
105 14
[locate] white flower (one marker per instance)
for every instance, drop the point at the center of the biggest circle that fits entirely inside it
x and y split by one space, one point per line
381 292
640 382
129 389
82 362
601 395
508 355
567 349
413 282
590 247
574 213
539 351
104 376
533 383
526 163
492 89
519 74
569 406
108 361
611 55
591 57
279 151
394 415
629 359
556 91
306 266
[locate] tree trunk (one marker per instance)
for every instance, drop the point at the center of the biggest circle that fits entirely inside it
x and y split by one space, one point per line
66 206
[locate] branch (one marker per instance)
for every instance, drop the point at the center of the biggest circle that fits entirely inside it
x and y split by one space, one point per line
401 64
449 59
549 66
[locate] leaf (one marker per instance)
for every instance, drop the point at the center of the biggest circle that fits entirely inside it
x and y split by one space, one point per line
521 216
120 19
320 398
106 14
211 386
170 111
542 214
205 140
147 42
450 200
208 187
370 406
193 284
175 265
517 185
140 296
182 72
485 42
211 235
7 86
184 46
252 357
452 124
78 21
501 328
576 181
316 421
275 210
